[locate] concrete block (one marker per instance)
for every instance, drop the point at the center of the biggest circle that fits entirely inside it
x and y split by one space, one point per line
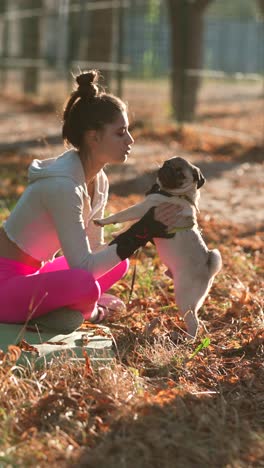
41 347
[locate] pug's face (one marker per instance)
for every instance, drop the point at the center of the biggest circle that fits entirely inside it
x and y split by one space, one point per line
177 173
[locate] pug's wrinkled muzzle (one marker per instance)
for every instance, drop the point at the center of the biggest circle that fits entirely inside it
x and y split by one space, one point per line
170 177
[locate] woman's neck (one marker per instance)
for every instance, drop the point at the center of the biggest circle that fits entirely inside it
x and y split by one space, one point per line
90 166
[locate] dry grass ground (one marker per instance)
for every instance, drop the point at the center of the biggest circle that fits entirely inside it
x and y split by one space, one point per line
164 401
227 104
158 404
230 106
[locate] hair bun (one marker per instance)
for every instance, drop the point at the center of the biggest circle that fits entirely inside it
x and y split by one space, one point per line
87 84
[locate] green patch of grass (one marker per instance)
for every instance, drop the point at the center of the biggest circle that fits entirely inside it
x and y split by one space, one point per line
145 281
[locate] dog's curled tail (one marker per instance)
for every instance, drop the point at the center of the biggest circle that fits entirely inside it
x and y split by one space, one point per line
214 262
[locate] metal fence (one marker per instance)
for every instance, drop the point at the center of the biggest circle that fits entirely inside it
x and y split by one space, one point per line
43 41
230 45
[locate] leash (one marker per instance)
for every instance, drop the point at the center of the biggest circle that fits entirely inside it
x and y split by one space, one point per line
133 277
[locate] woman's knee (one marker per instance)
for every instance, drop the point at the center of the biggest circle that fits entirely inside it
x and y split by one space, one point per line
85 284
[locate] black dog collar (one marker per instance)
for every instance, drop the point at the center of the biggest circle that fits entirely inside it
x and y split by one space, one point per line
156 189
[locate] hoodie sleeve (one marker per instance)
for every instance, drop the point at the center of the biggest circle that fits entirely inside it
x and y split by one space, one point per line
64 203
95 233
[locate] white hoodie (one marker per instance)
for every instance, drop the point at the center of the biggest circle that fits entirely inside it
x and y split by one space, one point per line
55 212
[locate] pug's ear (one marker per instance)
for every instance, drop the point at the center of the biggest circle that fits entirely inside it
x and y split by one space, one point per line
198 177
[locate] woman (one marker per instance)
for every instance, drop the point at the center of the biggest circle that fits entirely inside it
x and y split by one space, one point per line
56 211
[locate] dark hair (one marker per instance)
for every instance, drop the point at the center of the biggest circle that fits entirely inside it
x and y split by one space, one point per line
88 108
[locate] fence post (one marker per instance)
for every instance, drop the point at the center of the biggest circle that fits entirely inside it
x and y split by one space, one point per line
76 25
31 46
120 48
3 70
185 30
100 39
63 33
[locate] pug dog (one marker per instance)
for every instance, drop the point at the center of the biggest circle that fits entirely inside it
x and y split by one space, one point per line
191 265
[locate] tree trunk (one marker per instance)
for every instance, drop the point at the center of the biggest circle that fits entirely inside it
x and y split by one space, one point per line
260 4
31 45
186 19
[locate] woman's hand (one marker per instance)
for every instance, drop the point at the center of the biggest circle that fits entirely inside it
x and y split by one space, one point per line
169 214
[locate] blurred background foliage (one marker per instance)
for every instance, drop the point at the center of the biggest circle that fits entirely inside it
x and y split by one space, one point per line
164 56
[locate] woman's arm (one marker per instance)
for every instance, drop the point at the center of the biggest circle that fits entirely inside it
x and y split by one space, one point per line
96 233
64 202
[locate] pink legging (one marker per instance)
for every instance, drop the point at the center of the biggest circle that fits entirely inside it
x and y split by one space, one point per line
26 292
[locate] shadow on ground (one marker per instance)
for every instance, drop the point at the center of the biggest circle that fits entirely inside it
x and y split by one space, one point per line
139 183
213 430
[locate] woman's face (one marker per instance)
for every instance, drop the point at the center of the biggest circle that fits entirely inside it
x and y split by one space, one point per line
113 143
